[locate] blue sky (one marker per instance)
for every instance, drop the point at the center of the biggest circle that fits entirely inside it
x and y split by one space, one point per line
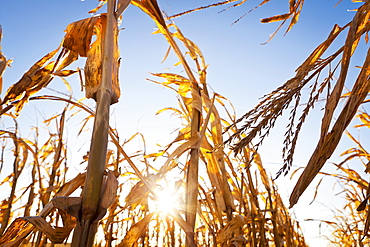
240 68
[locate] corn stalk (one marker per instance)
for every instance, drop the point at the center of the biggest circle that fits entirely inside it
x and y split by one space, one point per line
152 9
87 226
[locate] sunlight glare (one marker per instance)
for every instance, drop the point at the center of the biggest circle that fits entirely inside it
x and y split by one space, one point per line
167 200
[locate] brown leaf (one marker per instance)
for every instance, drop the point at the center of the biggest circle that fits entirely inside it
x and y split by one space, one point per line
16 229
139 193
78 35
64 73
54 234
31 79
109 190
232 228
136 231
69 187
71 205
94 62
121 6
276 18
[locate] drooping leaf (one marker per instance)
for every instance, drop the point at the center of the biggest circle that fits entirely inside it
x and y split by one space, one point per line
37 74
79 34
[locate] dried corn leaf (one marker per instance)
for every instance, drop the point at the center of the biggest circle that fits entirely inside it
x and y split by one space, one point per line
65 58
121 6
136 231
31 79
100 5
72 205
231 229
16 229
193 49
19 227
78 35
140 191
109 190
193 141
152 9
54 234
94 67
94 62
69 187
15 235
276 18
65 73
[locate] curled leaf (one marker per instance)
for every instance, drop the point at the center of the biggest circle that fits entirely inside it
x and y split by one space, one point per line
78 35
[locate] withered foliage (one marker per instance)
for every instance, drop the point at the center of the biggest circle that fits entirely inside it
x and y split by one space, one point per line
236 202
77 42
352 221
261 119
230 195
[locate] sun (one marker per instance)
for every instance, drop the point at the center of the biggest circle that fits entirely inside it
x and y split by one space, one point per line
166 199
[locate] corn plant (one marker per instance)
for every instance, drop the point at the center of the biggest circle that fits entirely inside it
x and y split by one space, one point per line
220 199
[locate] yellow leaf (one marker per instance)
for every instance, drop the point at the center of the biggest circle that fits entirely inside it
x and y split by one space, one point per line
276 18
64 73
101 4
78 35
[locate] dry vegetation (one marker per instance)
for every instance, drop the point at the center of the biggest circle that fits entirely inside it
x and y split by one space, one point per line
222 198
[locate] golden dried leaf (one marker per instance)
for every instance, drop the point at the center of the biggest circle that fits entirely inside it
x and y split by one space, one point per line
136 231
276 18
54 234
139 193
78 35
231 229
16 229
69 187
192 142
64 73
152 9
100 5
94 64
31 82
65 58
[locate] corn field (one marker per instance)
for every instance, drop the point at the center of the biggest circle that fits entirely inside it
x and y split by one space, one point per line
207 187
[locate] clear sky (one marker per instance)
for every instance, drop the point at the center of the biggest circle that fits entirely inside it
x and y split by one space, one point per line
240 68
